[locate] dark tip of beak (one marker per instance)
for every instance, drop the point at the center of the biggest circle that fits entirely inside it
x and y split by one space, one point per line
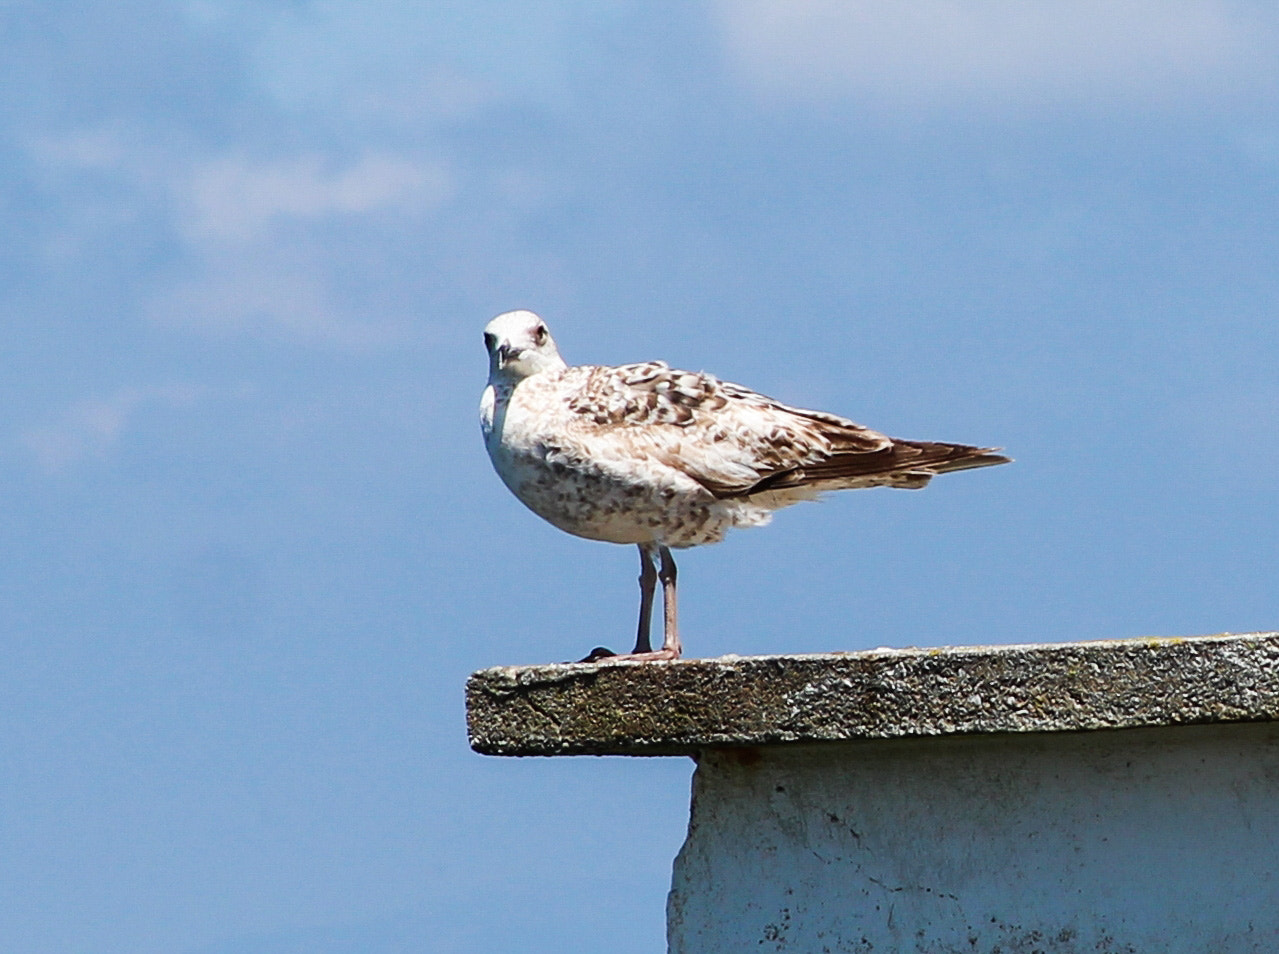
506 354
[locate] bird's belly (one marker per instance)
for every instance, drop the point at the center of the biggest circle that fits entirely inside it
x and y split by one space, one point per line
594 502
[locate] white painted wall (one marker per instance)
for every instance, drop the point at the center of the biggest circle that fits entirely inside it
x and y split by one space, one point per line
1148 841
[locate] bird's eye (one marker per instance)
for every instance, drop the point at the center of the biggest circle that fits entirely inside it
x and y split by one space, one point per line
540 335
490 340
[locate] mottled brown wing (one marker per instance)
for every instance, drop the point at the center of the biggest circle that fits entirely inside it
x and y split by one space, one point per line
640 395
730 439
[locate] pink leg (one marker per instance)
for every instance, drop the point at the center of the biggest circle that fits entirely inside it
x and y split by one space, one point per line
670 642
644 651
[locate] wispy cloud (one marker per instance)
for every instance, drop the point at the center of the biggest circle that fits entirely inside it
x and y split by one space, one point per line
237 199
405 64
86 149
257 235
261 233
90 428
275 293
1002 52
320 173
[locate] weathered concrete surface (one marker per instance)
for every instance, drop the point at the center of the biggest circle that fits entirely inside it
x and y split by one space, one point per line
686 706
1148 841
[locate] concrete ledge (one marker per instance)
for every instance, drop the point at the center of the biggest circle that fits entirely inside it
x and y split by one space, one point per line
683 707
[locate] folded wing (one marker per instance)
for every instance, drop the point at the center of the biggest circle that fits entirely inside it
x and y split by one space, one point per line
736 442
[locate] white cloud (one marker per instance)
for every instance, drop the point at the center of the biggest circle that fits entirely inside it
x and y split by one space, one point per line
259 237
257 230
234 198
943 52
90 428
274 293
90 148
424 62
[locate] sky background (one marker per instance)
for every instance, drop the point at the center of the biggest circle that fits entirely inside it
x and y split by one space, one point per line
252 545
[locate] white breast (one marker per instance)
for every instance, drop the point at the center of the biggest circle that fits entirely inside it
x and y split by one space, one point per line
589 482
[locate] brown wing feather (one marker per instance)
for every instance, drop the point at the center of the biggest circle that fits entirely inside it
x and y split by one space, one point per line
660 410
903 463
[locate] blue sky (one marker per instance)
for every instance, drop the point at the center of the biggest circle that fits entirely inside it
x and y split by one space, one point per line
252 542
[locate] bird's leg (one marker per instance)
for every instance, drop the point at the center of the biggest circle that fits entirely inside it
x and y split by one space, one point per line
648 584
670 644
649 575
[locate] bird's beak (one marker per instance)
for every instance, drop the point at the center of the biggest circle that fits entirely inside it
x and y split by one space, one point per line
507 353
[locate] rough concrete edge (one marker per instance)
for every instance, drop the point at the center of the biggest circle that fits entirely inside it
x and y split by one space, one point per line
526 683
525 675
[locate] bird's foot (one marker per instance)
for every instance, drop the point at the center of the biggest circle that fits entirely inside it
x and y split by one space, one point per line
600 654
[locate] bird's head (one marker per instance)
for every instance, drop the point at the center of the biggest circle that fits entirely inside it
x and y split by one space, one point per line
519 345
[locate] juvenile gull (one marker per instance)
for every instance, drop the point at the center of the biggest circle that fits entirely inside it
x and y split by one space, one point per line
645 454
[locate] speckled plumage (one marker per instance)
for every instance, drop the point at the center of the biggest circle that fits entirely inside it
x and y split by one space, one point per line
657 457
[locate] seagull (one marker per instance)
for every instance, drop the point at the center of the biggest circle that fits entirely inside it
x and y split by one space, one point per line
665 459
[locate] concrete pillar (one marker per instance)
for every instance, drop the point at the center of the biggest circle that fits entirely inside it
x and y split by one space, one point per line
1142 840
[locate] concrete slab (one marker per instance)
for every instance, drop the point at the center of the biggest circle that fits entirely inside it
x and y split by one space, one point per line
687 706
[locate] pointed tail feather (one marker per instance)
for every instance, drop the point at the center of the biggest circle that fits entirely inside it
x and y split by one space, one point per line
903 464
938 458
906 463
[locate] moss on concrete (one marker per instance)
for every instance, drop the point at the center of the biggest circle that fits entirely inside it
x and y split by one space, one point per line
682 707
